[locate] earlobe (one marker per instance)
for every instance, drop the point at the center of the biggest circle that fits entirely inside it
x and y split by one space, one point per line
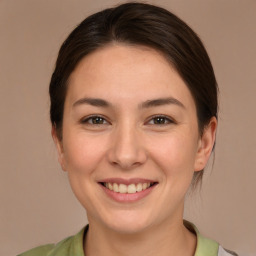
59 147
206 144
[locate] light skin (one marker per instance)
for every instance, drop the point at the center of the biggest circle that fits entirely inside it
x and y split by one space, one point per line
129 115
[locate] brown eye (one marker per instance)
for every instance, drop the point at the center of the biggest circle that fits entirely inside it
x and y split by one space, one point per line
97 120
160 120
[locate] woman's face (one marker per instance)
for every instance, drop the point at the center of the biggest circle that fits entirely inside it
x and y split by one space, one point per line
130 138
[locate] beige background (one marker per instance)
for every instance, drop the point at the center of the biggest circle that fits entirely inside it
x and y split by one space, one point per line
37 205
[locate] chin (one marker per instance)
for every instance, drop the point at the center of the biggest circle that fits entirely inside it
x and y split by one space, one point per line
127 223
128 228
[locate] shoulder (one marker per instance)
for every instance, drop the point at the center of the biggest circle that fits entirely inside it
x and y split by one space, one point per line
225 252
72 245
39 251
206 246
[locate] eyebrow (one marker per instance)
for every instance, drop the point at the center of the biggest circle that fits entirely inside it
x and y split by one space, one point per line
161 102
147 104
93 102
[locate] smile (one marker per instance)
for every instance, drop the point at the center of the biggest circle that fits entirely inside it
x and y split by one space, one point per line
127 189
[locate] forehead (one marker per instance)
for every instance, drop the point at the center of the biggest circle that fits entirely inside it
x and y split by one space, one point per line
122 71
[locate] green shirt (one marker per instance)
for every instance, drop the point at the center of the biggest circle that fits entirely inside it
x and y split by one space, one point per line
73 246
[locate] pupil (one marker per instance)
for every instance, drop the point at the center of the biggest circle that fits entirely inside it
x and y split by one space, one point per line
160 120
97 120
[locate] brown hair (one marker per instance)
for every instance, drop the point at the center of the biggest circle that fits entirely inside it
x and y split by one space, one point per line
139 24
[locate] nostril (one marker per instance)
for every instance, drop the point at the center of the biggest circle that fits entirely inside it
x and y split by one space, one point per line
126 152
126 164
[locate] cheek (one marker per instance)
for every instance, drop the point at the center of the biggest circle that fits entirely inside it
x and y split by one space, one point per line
82 156
82 153
176 156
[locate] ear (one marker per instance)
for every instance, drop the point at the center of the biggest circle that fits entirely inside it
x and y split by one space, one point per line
59 147
205 145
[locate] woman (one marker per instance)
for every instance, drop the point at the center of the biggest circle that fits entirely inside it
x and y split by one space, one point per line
134 117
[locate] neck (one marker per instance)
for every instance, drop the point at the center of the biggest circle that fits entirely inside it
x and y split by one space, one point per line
163 240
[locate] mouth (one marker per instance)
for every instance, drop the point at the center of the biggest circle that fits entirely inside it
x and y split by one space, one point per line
132 188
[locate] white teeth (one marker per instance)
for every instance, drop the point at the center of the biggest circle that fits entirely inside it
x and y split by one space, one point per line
139 187
131 189
124 189
144 185
115 187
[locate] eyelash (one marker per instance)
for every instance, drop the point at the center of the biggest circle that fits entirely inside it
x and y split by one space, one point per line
90 118
167 120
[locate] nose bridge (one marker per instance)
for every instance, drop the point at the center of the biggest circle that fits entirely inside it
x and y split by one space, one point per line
127 148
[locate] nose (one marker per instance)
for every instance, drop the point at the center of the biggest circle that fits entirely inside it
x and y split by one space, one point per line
127 150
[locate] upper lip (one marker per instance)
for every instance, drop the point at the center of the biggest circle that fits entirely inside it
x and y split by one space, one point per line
127 181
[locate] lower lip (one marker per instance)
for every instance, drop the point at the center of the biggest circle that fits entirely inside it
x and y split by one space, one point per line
119 197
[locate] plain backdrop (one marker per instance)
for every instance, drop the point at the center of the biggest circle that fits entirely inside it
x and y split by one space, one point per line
37 204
